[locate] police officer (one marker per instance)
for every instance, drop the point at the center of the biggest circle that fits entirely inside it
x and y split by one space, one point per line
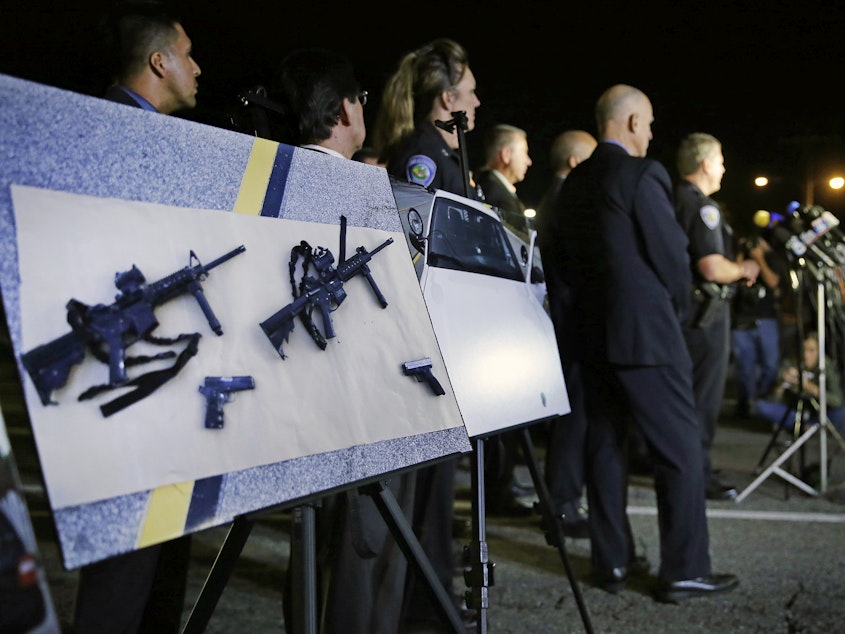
701 166
430 83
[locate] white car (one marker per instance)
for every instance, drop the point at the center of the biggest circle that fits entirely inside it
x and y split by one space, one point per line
497 340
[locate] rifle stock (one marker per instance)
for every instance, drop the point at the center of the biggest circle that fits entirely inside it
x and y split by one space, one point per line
107 330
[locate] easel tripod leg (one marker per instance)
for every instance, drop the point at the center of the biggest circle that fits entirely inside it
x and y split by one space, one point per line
411 548
555 523
479 577
218 576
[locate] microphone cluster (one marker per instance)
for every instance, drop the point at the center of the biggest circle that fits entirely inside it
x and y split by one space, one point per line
809 231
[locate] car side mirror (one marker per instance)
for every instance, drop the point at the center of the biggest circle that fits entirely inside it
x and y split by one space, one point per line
415 235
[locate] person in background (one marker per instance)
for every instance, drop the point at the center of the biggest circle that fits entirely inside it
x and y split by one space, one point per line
621 252
569 148
144 590
361 568
780 407
321 102
428 85
506 161
701 166
155 69
564 464
755 325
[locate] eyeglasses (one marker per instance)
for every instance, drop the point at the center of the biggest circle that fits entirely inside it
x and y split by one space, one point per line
362 97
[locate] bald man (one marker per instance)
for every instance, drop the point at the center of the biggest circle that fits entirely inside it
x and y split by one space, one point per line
624 257
564 466
568 150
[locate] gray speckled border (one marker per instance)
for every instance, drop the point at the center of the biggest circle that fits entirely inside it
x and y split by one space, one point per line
64 141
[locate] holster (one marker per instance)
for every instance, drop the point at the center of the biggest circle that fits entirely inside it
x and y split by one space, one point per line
708 299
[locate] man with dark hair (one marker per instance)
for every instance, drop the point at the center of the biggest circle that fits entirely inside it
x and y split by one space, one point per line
321 102
144 590
153 64
321 108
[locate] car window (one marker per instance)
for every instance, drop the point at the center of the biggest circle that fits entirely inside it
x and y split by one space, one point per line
466 239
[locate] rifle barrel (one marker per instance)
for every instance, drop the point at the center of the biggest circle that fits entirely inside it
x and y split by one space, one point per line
223 258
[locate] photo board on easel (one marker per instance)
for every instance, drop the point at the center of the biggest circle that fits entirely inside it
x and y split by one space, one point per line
89 188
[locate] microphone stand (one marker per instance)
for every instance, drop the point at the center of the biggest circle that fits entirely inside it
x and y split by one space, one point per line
460 123
824 425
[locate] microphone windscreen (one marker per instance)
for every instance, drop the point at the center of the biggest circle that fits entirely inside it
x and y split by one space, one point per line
761 218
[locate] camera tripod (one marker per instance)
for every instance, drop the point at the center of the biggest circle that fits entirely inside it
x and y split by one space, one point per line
823 427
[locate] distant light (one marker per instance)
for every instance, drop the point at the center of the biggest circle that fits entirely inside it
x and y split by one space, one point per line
836 182
530 213
761 181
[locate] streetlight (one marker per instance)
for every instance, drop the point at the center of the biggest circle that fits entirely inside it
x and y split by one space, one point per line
834 183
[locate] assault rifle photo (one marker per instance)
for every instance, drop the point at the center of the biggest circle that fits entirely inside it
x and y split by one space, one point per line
108 330
323 291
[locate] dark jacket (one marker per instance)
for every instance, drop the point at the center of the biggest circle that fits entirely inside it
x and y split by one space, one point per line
424 158
616 243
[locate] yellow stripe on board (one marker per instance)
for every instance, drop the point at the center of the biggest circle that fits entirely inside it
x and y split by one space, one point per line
166 513
256 177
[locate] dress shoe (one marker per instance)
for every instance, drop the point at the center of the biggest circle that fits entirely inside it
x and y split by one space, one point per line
507 507
718 490
677 591
579 528
615 579
519 491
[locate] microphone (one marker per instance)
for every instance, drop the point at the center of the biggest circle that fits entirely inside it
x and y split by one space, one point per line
765 219
793 238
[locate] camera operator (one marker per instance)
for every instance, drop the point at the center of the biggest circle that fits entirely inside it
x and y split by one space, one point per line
701 166
755 325
781 406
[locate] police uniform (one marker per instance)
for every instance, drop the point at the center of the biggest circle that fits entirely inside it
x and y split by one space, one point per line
708 345
425 158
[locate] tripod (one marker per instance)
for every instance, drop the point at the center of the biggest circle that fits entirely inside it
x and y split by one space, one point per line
823 427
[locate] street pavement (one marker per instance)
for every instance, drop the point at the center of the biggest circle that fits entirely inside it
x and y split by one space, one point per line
786 546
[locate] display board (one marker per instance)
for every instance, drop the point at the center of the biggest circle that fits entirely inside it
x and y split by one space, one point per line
89 188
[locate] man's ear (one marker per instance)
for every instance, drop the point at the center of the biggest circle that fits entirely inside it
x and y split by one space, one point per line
506 155
633 122
157 63
345 115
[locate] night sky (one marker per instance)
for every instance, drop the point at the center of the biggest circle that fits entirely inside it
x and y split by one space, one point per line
765 77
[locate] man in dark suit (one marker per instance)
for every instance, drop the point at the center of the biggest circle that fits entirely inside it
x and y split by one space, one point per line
624 256
564 472
144 590
506 162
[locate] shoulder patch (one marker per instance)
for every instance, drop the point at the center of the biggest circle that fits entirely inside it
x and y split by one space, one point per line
421 169
710 216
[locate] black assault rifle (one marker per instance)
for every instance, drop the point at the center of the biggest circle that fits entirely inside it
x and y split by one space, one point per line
323 290
107 330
